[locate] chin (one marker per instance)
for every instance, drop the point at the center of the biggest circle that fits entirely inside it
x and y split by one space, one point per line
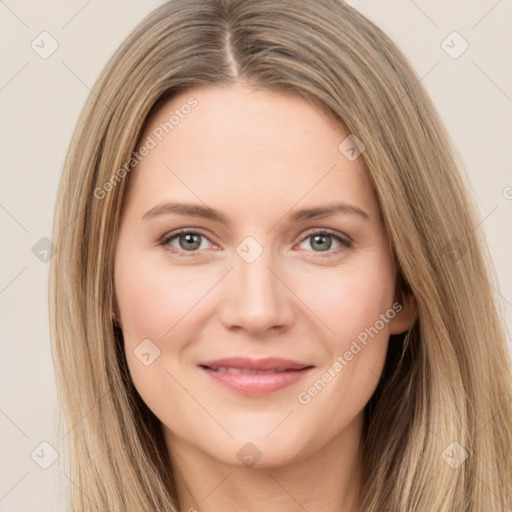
261 452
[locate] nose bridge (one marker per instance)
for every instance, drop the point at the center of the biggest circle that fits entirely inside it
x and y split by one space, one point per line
257 283
257 298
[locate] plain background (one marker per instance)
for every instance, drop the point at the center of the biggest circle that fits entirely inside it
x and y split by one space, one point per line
40 101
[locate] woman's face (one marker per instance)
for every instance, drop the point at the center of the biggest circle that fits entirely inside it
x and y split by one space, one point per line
259 271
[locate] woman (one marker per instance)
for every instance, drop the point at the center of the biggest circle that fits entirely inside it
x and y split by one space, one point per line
263 364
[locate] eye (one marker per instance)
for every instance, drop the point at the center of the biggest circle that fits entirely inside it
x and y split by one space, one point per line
322 240
188 241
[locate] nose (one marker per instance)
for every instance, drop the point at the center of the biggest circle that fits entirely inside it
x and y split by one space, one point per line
256 297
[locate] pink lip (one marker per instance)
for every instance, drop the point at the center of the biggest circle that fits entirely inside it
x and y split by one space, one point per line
279 373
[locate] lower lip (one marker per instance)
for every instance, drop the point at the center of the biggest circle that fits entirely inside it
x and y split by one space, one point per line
257 383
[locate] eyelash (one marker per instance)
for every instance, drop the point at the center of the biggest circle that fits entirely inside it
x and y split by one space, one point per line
345 242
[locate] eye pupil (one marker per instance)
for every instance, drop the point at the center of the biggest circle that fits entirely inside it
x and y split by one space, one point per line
323 246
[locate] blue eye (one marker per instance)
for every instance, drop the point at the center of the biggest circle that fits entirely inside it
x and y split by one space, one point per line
190 242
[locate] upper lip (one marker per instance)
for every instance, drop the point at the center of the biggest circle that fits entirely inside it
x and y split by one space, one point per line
269 363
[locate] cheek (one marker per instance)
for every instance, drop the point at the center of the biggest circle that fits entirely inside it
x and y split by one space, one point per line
356 305
152 298
148 310
349 300
159 306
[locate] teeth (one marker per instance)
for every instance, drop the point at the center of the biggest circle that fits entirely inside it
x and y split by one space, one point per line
244 370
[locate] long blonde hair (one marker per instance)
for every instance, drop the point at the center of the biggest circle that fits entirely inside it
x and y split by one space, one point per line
447 381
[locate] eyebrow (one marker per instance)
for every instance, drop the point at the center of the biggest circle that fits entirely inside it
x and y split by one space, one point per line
195 210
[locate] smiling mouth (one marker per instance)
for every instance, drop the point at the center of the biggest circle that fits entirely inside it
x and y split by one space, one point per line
255 377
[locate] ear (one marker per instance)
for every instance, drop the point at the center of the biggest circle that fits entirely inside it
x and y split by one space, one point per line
406 313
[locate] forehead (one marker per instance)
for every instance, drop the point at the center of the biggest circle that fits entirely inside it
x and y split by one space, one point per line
232 145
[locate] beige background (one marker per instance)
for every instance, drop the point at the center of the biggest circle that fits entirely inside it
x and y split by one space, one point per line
40 100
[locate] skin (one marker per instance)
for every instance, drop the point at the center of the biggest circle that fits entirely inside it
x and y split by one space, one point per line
257 156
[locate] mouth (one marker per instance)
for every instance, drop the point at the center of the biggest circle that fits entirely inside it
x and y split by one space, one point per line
255 377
